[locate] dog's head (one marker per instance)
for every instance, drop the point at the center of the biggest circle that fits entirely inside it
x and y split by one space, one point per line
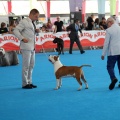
53 58
2 52
55 40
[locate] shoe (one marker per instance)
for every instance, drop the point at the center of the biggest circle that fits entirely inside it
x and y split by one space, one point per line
33 86
70 52
112 85
27 87
82 52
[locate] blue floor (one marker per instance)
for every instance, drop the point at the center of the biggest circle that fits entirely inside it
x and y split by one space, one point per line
44 103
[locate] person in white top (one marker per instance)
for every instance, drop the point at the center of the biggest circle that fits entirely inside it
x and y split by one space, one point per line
26 31
112 49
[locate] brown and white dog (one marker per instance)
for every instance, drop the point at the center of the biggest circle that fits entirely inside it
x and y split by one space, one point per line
63 71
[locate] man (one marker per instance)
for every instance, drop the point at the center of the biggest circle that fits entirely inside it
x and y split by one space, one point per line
74 37
112 48
116 20
90 22
25 31
59 25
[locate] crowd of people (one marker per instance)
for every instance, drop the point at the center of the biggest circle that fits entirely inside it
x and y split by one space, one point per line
58 25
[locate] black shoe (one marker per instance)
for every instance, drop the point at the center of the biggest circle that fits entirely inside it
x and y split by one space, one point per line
82 52
27 87
33 86
112 85
70 52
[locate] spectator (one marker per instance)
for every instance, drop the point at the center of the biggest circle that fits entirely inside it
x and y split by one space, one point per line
12 26
49 26
117 21
103 24
90 22
112 49
3 29
43 29
83 26
96 24
59 25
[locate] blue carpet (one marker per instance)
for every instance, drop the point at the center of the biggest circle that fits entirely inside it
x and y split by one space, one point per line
44 103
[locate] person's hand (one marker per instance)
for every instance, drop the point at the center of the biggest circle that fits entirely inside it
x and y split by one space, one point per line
37 30
81 34
102 57
25 40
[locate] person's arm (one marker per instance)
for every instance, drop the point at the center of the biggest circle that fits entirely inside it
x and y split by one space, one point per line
18 29
10 30
55 29
106 45
64 27
80 31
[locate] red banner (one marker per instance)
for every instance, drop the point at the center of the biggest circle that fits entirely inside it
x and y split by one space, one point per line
44 40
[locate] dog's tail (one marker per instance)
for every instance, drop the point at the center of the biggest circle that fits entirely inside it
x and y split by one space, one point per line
85 66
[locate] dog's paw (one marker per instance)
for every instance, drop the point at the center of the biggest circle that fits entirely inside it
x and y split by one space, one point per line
79 89
56 88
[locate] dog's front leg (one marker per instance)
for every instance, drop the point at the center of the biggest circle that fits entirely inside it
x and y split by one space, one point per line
60 83
57 84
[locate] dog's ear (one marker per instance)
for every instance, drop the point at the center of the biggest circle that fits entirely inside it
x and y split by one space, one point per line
58 57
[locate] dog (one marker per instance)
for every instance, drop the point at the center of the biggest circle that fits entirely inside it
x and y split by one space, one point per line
8 58
63 71
60 45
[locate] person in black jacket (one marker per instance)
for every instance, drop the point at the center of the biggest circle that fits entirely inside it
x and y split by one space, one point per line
74 37
3 29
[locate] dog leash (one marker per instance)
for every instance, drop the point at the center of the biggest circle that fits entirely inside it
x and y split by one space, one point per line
44 52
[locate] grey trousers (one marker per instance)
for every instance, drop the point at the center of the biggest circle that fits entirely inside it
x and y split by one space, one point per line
28 61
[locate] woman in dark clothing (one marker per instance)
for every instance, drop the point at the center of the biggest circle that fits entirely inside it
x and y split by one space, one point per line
3 29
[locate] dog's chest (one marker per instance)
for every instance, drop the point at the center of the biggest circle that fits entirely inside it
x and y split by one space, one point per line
57 65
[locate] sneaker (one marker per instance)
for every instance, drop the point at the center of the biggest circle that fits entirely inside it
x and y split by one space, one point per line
112 85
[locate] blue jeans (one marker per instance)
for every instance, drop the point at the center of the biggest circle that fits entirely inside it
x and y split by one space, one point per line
111 61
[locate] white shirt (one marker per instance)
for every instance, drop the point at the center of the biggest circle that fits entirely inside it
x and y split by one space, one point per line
112 41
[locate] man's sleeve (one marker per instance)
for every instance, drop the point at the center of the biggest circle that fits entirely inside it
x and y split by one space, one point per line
19 28
106 44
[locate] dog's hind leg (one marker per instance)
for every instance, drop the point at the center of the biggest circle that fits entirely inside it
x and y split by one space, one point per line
83 79
80 83
60 83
